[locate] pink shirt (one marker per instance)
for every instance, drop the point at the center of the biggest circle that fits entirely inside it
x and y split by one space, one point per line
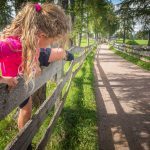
10 56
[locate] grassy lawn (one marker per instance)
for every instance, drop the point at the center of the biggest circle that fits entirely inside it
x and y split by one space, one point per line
137 61
76 127
84 42
133 42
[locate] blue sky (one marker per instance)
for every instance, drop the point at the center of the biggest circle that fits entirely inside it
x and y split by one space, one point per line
115 1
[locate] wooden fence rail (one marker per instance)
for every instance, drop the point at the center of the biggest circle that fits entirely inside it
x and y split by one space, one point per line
10 100
142 52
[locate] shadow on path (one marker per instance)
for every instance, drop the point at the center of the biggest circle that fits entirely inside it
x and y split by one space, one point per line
135 127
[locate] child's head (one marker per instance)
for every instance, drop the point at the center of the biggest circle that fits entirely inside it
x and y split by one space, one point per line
37 26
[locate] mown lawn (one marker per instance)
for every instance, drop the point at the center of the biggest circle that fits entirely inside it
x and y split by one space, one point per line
133 42
84 42
76 127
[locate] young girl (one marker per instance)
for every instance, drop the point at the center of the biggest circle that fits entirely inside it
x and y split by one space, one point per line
35 26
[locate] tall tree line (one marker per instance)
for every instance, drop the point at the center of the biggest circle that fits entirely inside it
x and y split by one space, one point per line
94 18
135 11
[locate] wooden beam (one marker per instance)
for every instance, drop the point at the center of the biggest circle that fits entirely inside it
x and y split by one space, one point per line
12 99
24 138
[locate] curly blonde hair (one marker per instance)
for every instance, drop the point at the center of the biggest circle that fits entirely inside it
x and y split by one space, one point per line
50 20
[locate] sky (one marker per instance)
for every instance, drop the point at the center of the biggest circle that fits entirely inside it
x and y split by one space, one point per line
116 1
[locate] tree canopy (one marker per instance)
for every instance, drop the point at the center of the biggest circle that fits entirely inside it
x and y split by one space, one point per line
136 11
92 18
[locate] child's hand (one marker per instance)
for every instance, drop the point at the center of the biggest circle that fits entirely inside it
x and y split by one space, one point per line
69 56
11 82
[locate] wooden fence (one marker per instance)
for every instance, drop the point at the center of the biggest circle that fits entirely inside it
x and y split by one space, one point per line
10 100
142 52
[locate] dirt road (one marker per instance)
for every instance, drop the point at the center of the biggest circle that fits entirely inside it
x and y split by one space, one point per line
123 102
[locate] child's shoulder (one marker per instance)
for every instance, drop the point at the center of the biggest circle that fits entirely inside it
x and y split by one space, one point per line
11 43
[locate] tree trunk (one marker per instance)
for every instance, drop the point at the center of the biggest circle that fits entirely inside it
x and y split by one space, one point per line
80 34
124 32
95 35
50 1
65 4
72 13
88 40
79 38
70 42
87 28
124 35
75 38
148 38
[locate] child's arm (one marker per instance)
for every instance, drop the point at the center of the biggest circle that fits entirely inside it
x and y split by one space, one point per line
53 54
10 81
60 53
57 54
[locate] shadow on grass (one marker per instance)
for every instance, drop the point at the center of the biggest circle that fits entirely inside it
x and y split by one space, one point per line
78 119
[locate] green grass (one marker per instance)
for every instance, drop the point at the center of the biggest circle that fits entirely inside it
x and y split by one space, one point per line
76 127
134 60
8 130
84 42
133 42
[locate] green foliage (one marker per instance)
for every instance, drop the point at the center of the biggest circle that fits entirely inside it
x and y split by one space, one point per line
5 13
8 130
95 16
138 10
132 42
126 21
142 35
88 16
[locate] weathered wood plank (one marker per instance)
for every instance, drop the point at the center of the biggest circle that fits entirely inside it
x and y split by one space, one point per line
77 49
78 59
134 49
16 96
24 138
45 138
10 100
135 53
59 77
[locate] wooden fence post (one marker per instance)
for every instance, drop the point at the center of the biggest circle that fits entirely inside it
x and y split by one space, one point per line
39 96
58 77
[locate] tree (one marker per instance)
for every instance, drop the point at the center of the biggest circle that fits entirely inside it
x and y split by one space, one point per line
142 34
126 20
5 13
139 10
